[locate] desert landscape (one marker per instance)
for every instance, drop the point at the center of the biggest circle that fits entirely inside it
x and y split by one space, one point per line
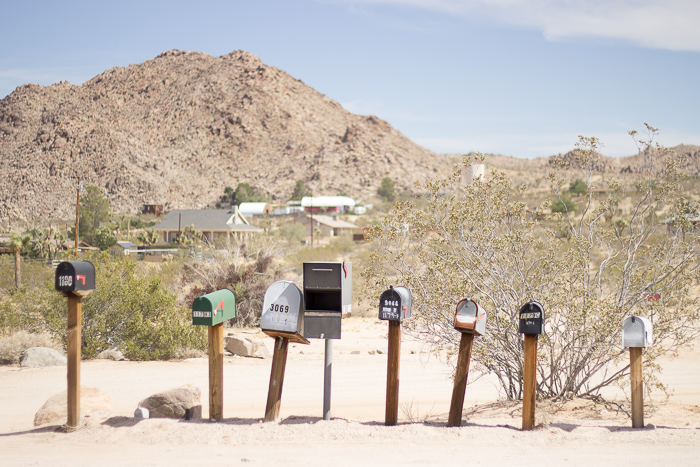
575 432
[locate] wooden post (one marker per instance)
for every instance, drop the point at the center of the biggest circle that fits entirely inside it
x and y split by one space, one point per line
274 392
530 381
461 374
74 339
637 383
391 414
216 372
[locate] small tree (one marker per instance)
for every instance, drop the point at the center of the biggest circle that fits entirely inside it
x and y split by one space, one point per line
479 241
563 204
247 194
300 190
147 237
18 243
387 190
578 187
94 212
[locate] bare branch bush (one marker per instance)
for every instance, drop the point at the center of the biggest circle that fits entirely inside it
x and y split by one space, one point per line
481 240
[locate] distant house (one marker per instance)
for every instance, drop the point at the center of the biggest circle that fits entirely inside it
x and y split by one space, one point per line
214 224
339 204
82 246
123 248
329 225
254 209
156 209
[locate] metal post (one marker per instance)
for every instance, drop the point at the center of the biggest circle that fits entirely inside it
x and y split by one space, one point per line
327 380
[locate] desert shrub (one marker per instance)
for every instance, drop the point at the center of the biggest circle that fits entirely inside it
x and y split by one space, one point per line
293 232
578 187
129 309
247 270
12 345
563 204
478 241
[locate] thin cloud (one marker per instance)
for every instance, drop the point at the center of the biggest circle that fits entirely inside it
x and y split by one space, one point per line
671 24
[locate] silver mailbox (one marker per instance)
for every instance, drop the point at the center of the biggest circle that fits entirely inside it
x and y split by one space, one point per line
637 332
327 297
470 318
395 304
283 311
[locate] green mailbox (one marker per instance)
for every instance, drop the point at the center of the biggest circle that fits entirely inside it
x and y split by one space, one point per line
214 308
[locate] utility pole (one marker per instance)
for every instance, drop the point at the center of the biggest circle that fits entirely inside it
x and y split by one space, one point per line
77 215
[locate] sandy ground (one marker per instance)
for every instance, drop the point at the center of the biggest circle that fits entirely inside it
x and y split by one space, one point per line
578 432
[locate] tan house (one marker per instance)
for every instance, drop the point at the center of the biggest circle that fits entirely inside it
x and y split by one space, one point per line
215 224
329 226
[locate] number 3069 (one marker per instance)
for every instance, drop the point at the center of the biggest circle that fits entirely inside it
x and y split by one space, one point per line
279 308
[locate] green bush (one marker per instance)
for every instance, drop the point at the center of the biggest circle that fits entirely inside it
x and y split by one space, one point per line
563 205
128 309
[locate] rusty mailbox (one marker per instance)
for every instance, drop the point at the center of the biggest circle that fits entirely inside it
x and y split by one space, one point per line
531 318
283 312
327 297
395 304
75 276
470 317
214 308
637 331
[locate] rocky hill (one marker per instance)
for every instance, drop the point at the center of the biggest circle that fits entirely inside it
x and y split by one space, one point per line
178 129
181 127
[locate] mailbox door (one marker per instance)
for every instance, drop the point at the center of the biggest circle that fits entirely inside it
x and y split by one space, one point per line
636 332
322 325
531 318
75 276
214 308
283 308
390 305
322 276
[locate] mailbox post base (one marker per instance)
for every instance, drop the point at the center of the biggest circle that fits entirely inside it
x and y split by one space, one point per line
216 372
392 374
529 381
457 404
637 383
274 392
75 308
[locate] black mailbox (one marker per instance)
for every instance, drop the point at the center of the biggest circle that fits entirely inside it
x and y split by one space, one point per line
395 304
531 318
327 297
75 276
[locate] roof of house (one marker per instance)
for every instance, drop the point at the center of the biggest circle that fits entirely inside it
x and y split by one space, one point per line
126 245
325 201
81 245
333 223
207 220
253 208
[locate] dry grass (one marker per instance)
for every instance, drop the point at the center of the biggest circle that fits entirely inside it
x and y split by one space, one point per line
12 346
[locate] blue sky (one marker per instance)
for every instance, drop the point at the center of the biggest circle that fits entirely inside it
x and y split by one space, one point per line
517 77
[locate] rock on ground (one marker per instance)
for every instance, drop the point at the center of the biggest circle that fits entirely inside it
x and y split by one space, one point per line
182 402
56 407
111 354
37 357
246 346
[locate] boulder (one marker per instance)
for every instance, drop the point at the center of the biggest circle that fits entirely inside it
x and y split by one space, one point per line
182 402
246 347
55 410
37 357
111 354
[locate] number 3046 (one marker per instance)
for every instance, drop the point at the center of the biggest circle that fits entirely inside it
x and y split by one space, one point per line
279 308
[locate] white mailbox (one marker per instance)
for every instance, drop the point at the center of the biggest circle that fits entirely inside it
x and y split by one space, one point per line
470 318
637 332
283 312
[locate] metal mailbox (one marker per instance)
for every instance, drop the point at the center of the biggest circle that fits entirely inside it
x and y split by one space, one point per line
531 318
283 311
327 297
395 304
637 332
214 308
470 317
75 276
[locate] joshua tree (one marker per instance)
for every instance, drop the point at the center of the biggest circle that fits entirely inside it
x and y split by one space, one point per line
19 243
